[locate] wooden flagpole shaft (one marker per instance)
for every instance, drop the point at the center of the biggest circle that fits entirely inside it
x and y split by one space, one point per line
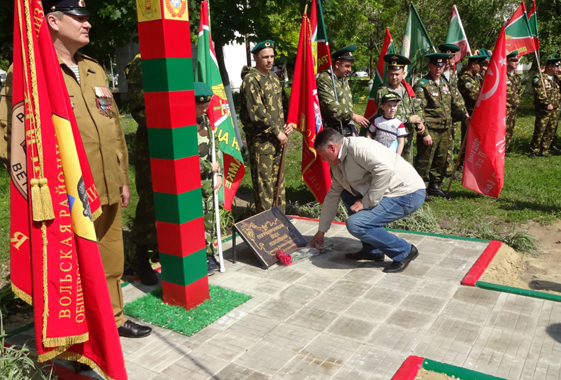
280 176
540 71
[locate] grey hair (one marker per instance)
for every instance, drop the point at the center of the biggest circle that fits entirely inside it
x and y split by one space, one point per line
326 137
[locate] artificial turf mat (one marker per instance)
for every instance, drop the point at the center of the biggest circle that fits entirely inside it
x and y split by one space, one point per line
151 308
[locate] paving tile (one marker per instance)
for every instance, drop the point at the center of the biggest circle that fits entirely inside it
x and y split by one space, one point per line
299 294
457 330
455 264
313 318
195 366
158 355
385 295
265 357
363 275
394 338
424 303
435 246
331 349
352 328
187 343
347 288
429 258
409 319
290 336
469 254
333 302
140 372
253 327
237 372
399 281
370 311
226 346
513 322
436 347
277 309
434 288
286 274
417 269
411 238
373 360
476 296
468 312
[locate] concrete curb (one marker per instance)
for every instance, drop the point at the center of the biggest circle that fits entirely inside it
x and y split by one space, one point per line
482 263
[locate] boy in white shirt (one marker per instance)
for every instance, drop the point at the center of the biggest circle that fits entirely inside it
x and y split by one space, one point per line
389 131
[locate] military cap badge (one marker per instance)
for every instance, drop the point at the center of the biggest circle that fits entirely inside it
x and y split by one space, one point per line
81 3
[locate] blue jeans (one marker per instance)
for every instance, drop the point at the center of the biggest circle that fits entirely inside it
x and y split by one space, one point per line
366 225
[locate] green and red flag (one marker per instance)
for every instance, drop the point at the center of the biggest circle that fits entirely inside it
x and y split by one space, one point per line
518 34
219 113
533 21
457 35
416 40
304 112
484 161
320 45
54 258
380 76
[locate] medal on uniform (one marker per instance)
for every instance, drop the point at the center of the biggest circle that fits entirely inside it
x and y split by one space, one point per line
104 101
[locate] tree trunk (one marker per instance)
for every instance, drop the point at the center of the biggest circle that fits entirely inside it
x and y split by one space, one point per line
247 50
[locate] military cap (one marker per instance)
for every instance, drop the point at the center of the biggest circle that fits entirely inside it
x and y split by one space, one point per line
396 61
390 96
267 44
553 61
438 59
485 53
479 58
71 7
203 93
448 48
513 55
344 54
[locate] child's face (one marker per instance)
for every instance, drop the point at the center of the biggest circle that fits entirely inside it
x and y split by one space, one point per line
390 108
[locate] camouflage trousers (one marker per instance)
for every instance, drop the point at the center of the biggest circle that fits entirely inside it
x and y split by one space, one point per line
510 122
209 215
265 155
144 225
407 152
431 161
450 163
544 131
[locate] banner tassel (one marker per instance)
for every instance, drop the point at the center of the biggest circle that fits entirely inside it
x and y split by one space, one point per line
46 199
37 204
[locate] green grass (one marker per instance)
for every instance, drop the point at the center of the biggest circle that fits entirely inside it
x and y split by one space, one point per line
151 308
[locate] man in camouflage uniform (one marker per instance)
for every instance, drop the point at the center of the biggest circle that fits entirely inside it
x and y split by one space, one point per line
144 225
469 86
513 95
440 110
337 109
409 111
451 77
547 103
203 96
262 112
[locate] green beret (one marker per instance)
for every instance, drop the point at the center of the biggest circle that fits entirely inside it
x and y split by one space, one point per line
396 61
267 44
438 59
485 53
448 48
203 93
553 61
344 54
512 55
390 96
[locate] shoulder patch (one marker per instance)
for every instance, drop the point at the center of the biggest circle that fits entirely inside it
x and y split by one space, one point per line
536 79
468 85
422 82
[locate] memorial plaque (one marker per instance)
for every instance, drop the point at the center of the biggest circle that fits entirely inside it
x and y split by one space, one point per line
268 232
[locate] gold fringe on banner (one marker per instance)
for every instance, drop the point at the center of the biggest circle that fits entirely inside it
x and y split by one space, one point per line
66 340
23 295
97 214
46 199
36 202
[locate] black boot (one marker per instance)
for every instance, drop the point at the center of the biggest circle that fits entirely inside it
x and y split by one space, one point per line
212 265
147 274
435 190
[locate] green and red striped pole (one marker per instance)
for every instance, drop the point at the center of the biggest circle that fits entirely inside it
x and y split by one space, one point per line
167 69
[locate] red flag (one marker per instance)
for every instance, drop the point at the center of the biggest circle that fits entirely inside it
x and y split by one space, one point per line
485 144
320 45
380 77
55 262
304 112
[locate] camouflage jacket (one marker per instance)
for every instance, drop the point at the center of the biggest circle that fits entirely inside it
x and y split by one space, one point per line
333 111
205 147
408 106
453 80
133 75
550 96
513 90
469 86
439 107
263 103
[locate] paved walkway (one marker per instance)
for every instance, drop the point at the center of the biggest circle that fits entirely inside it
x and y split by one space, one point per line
331 318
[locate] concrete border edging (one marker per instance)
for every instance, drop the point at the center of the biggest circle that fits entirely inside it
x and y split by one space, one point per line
482 263
519 291
411 366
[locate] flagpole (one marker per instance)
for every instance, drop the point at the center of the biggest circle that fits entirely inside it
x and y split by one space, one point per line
217 207
535 51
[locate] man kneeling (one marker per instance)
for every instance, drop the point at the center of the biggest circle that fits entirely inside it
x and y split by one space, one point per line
378 187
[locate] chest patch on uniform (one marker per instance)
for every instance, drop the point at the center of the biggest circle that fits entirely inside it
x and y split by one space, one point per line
435 94
468 85
536 80
446 90
104 101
